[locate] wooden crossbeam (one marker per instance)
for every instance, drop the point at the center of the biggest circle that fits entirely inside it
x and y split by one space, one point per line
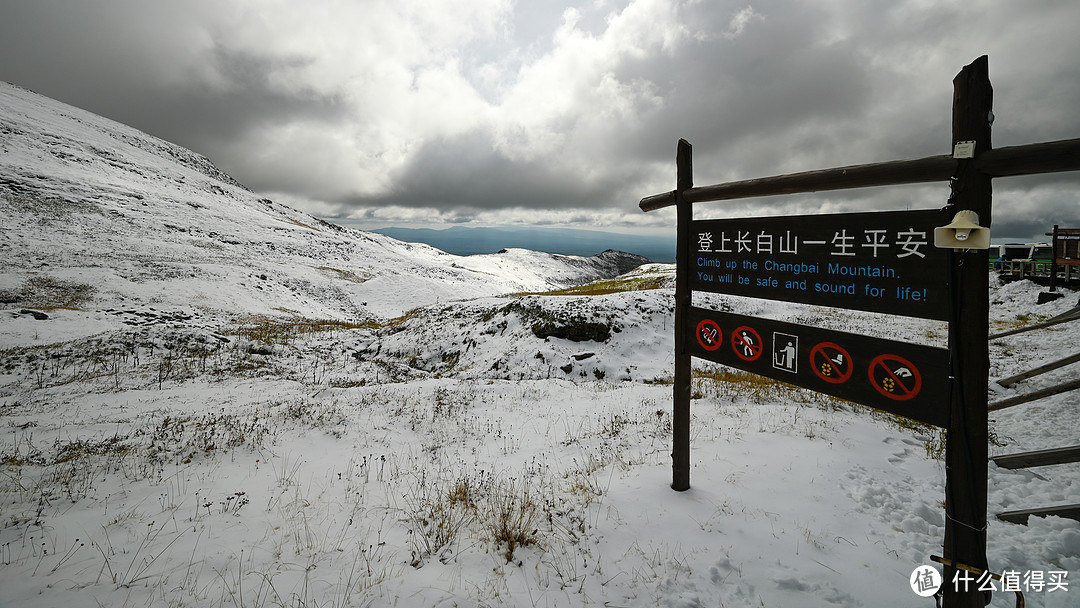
1038 458
1032 396
1021 516
1030 159
1042 369
1065 317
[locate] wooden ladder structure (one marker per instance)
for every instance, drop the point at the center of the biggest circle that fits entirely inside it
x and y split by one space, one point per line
1039 458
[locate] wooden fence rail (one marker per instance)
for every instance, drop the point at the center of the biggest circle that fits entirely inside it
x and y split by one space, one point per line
1042 369
1032 396
1030 159
1038 458
1064 317
1021 516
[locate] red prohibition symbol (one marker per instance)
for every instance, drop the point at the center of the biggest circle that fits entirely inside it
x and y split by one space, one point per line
746 343
895 377
831 362
708 334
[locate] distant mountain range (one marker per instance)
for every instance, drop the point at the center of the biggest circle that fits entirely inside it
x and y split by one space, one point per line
460 240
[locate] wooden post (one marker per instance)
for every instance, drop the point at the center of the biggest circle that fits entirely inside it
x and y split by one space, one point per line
966 451
680 418
1053 260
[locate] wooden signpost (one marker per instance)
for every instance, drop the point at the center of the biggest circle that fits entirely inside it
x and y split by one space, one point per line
879 262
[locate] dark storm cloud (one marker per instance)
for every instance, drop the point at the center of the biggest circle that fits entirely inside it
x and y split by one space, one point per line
465 172
754 85
204 113
112 58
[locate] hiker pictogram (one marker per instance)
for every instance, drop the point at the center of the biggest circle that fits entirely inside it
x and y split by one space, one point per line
746 342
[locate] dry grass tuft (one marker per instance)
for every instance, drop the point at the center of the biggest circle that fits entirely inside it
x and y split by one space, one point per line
599 288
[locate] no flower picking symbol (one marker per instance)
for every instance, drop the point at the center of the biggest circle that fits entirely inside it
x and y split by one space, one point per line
895 377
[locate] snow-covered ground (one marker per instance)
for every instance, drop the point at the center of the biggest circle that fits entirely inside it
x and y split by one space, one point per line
180 431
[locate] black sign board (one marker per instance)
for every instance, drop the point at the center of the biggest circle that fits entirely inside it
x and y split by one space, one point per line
910 380
879 262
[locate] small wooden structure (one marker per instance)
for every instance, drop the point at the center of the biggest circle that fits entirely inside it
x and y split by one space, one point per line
1066 246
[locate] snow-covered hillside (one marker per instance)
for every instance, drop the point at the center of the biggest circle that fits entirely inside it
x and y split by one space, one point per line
209 399
100 213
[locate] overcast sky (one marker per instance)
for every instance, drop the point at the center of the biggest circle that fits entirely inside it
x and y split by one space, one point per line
488 112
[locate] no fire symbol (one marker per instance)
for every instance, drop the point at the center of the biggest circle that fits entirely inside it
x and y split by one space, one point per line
708 334
895 377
